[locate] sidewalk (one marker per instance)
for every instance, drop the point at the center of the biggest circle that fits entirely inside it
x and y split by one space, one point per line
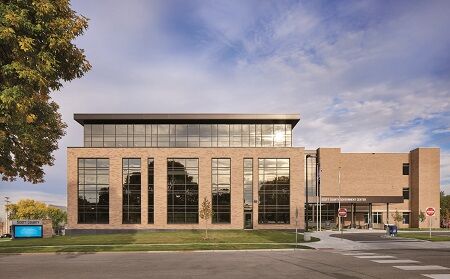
329 242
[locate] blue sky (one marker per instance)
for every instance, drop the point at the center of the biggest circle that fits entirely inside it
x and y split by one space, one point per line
364 75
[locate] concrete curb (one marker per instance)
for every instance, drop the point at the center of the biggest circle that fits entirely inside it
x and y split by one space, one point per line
157 252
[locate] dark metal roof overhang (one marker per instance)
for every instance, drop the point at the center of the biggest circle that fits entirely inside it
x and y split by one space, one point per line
362 199
181 118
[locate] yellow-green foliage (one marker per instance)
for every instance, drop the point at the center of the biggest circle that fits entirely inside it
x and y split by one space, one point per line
32 210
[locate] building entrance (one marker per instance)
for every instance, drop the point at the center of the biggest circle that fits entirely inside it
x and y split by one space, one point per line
248 221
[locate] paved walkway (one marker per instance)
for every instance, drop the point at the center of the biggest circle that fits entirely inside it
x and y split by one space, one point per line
330 242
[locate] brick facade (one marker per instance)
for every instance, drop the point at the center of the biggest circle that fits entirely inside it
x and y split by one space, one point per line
160 155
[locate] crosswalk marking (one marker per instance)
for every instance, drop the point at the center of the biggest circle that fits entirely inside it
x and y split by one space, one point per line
375 257
421 267
437 276
394 261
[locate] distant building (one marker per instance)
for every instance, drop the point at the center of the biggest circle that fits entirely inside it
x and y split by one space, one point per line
63 208
151 171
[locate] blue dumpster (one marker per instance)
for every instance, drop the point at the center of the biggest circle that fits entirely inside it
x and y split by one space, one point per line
392 230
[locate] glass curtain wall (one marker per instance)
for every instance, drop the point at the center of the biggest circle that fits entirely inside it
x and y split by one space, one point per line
187 135
274 191
221 190
131 191
182 191
93 191
311 176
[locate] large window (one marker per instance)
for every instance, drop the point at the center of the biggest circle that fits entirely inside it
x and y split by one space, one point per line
221 190
151 190
93 191
377 218
248 184
311 175
182 191
274 191
187 135
131 191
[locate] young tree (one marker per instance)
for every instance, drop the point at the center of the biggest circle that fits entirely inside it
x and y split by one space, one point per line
206 214
397 217
31 209
37 54
422 216
57 216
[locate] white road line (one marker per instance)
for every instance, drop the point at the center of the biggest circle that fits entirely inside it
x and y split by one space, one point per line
375 257
359 254
437 276
421 267
394 261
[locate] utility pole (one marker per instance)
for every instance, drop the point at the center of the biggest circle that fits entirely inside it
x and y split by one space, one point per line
307 195
7 202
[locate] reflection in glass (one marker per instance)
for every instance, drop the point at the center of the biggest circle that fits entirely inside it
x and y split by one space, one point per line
182 191
248 184
184 135
221 190
151 190
274 191
93 191
131 191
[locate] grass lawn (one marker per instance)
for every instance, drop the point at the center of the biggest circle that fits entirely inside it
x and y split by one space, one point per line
435 236
157 241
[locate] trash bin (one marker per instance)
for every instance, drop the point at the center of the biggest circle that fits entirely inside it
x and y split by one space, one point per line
392 229
306 236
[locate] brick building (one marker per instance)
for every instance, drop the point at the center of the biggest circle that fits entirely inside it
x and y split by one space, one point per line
152 171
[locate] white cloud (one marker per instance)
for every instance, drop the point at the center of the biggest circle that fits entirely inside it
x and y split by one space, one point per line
362 89
441 131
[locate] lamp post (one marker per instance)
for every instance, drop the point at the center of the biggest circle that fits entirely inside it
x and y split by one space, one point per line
339 201
6 217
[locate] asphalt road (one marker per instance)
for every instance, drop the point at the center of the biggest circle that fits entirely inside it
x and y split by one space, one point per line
374 237
270 264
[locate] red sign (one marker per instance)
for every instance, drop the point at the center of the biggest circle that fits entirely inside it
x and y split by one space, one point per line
430 211
342 212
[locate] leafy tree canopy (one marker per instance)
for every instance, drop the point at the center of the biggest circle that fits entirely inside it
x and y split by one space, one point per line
36 56
31 209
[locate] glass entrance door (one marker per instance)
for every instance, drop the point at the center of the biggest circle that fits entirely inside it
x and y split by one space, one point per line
248 221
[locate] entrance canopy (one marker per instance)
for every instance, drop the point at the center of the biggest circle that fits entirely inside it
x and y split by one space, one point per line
362 199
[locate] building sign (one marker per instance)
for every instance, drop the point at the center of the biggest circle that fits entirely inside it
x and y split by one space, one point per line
27 231
26 222
362 199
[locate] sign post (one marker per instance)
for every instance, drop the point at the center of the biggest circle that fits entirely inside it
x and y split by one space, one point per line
296 232
430 212
342 213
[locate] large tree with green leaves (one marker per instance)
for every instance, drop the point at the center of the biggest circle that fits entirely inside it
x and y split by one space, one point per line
445 209
37 54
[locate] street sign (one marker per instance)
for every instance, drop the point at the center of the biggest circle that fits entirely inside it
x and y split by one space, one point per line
430 211
342 212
